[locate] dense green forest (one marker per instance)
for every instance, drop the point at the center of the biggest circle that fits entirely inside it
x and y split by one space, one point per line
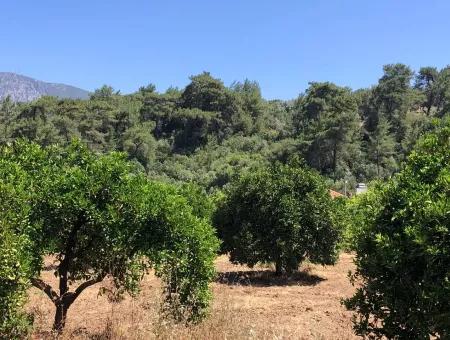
208 132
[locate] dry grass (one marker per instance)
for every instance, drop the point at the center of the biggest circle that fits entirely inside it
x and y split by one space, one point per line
248 304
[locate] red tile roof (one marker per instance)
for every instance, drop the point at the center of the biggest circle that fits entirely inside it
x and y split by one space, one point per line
335 194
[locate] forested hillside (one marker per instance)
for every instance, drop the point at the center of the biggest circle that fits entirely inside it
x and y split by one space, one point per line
209 132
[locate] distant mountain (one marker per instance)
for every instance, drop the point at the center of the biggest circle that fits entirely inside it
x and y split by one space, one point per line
25 89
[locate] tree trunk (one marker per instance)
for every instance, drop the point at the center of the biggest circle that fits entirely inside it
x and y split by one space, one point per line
378 162
278 268
334 160
64 301
60 317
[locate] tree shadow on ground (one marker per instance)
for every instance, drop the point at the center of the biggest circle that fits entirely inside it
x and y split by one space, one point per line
267 278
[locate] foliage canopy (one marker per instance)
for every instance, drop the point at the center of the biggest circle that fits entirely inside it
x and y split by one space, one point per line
403 249
282 214
97 216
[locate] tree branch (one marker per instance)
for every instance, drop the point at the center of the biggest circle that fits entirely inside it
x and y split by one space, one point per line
85 285
46 288
63 268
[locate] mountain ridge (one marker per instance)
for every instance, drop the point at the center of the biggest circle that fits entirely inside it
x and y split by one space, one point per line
22 88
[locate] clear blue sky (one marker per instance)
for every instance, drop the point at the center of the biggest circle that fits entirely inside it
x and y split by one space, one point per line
281 44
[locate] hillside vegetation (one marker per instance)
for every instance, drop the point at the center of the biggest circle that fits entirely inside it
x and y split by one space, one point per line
208 133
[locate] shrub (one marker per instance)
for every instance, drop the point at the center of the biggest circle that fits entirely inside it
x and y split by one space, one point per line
403 250
282 214
357 212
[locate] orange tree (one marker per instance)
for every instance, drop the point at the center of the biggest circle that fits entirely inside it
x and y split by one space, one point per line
15 258
281 214
403 249
96 217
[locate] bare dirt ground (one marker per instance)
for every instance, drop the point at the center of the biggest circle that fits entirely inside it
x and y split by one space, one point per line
248 304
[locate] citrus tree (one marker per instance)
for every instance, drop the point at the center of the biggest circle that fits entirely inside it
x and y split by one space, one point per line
281 214
15 257
14 323
403 249
95 216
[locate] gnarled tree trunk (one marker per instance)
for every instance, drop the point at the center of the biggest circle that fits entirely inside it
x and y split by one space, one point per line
60 317
63 301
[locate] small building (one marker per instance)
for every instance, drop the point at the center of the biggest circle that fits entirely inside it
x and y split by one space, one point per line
335 194
361 188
